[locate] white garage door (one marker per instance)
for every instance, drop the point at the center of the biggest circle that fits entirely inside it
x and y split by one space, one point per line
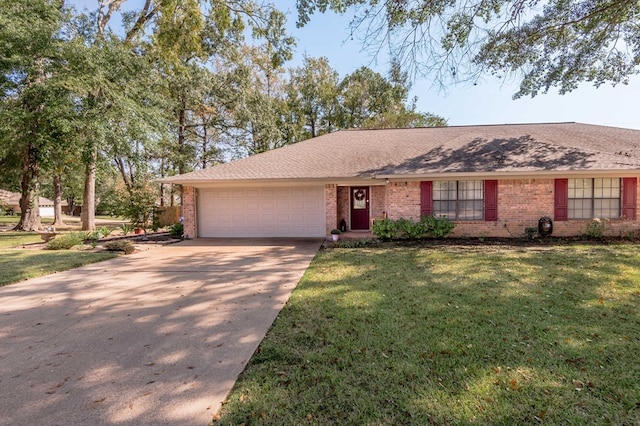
46 211
261 212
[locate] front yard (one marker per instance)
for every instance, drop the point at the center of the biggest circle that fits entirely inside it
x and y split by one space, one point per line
20 264
452 336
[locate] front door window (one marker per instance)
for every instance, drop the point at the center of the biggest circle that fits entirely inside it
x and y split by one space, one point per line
359 199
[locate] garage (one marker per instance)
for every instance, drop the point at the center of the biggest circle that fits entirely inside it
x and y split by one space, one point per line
261 212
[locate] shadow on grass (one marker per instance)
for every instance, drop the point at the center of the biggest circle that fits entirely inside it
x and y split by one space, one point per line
447 335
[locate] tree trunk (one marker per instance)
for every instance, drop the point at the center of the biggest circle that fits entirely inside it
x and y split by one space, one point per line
162 184
29 206
71 206
182 126
57 201
89 197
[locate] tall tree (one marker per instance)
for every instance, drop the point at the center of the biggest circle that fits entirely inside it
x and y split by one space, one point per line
313 91
558 43
30 55
369 100
261 112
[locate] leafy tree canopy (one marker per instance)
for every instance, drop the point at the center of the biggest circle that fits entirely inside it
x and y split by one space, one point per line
545 44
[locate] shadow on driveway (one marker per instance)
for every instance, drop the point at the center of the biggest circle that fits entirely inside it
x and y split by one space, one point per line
157 337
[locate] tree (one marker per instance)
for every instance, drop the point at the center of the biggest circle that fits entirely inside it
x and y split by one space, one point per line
30 55
313 91
368 100
262 111
558 43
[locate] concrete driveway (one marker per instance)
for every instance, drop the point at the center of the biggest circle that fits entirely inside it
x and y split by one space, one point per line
157 337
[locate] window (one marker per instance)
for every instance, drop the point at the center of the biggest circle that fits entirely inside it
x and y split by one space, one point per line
458 200
589 198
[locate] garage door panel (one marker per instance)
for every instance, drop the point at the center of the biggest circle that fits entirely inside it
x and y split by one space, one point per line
261 212
283 205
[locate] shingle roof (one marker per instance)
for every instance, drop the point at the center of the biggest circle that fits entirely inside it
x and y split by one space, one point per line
458 149
13 199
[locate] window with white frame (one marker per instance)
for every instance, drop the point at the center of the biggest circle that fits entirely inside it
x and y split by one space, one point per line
458 200
591 198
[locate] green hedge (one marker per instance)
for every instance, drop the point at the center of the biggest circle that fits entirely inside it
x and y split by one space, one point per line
66 241
405 229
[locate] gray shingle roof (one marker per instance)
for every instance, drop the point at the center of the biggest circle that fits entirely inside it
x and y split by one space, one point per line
459 149
13 199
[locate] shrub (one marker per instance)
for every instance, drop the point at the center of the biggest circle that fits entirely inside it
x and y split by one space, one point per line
530 232
595 228
176 229
427 227
66 241
121 245
384 229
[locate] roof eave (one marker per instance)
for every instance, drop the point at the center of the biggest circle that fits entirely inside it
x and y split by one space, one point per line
530 174
514 174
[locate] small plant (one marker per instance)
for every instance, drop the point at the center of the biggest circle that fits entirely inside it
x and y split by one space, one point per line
105 231
177 229
335 232
530 232
126 228
121 245
91 237
595 228
66 241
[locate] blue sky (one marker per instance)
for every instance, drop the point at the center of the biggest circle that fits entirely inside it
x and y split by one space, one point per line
489 102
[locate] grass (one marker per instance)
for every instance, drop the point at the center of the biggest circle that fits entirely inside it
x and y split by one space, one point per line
452 336
13 220
14 239
18 265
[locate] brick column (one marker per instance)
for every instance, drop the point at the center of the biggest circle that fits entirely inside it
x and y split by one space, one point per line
331 207
189 211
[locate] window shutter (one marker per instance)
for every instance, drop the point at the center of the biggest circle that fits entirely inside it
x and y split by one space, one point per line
490 200
629 197
426 198
561 210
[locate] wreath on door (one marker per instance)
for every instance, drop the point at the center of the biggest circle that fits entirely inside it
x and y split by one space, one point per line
359 194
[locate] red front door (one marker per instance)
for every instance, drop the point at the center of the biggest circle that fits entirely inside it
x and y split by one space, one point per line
359 208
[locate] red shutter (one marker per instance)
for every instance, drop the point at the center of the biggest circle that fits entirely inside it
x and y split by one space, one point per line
561 210
490 200
629 197
426 198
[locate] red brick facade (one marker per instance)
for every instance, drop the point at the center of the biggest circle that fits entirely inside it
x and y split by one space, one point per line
189 211
331 207
343 206
521 203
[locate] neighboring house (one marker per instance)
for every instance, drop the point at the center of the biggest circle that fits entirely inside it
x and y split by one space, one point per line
490 180
12 200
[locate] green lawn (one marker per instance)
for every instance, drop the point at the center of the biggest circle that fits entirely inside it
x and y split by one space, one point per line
14 239
452 336
18 265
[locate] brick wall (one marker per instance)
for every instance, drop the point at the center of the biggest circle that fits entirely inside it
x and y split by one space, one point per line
403 200
189 211
343 205
378 201
521 203
331 207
